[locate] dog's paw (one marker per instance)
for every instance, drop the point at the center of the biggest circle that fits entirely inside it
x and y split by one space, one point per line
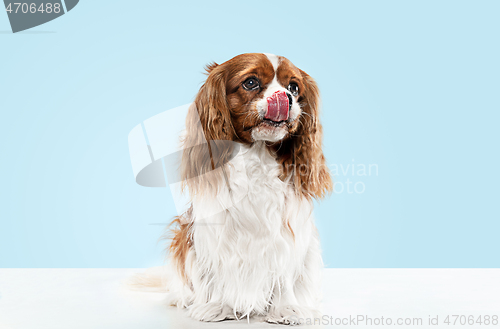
175 299
210 312
284 315
291 315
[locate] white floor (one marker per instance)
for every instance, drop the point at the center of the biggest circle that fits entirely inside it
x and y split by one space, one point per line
96 298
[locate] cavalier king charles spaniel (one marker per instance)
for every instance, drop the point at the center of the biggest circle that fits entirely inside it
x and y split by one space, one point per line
252 164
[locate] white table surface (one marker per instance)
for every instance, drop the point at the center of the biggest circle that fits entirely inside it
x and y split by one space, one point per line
97 298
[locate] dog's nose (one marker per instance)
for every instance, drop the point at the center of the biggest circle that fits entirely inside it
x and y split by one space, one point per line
278 106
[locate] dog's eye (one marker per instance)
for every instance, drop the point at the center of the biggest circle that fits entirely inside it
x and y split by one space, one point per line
293 88
251 84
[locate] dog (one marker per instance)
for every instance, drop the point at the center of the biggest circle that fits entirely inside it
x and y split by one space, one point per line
252 164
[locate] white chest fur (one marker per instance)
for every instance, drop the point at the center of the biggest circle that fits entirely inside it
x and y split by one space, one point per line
256 245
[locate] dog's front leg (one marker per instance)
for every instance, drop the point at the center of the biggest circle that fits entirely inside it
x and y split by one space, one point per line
297 299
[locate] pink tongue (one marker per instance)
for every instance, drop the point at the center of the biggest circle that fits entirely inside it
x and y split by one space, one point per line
277 107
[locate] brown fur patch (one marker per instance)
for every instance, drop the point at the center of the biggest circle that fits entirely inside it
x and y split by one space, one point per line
181 242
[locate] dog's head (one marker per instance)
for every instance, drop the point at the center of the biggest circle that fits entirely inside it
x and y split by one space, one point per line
260 97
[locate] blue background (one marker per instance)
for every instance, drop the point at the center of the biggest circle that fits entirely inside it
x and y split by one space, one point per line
412 87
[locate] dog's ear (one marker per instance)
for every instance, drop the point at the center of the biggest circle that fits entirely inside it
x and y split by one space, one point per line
209 134
212 105
305 162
